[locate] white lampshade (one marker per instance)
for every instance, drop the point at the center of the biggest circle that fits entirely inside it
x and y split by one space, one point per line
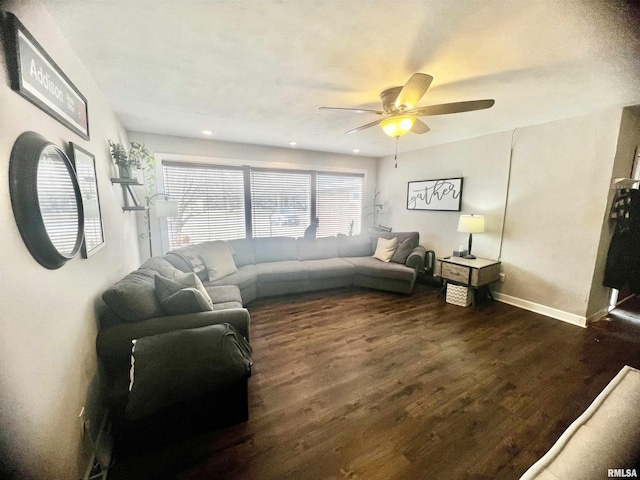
471 224
166 208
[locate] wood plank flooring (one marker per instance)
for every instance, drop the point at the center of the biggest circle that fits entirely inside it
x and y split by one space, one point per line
360 384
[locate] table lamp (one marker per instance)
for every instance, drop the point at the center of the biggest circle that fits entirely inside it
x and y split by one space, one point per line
471 224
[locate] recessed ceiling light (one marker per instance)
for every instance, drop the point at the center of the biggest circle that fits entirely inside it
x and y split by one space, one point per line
356 150
207 132
293 144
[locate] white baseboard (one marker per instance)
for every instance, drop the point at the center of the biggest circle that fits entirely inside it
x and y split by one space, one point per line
571 318
594 317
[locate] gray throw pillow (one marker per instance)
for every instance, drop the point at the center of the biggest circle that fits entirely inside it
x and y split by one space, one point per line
181 295
402 252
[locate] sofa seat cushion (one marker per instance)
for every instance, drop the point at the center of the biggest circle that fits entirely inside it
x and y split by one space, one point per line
290 270
226 306
116 341
329 268
223 294
375 268
243 278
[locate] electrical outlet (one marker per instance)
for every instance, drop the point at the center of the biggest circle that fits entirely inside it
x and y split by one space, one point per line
503 276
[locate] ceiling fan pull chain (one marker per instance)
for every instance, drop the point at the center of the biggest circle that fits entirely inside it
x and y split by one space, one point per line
396 157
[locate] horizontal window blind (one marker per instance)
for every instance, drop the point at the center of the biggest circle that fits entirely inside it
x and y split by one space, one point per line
210 203
57 202
280 202
338 203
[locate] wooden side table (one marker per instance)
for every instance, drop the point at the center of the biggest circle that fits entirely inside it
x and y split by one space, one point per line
469 272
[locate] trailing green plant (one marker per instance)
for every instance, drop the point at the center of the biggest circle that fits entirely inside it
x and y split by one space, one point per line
121 156
147 162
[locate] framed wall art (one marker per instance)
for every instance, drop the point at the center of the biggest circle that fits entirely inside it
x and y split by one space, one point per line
443 194
35 76
85 165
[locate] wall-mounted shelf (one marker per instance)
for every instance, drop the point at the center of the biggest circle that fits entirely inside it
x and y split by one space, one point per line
619 183
127 183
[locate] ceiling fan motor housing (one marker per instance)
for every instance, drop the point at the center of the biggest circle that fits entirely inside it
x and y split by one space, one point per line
388 98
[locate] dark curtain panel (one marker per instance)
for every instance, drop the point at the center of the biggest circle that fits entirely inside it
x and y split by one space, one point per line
623 260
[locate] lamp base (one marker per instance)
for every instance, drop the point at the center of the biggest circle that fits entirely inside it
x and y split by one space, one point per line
469 257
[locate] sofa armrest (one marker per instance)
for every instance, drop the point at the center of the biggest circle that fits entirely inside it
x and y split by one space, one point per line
116 340
415 259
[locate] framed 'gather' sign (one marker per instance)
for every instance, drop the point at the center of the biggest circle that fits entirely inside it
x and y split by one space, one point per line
441 194
36 77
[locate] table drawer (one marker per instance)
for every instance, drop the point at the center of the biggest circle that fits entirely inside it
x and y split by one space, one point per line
456 273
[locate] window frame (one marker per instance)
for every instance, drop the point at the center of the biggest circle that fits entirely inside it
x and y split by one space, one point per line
222 163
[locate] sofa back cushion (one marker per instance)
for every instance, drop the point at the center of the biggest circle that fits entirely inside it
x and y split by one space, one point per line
242 250
134 298
401 236
318 249
275 249
218 259
187 259
355 246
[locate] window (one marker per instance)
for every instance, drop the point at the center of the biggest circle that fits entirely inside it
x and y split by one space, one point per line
223 203
280 202
210 203
338 203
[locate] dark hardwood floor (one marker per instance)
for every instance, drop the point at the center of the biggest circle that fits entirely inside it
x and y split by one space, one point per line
360 384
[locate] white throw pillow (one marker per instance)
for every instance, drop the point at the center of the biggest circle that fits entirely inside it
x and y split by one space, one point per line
218 258
385 249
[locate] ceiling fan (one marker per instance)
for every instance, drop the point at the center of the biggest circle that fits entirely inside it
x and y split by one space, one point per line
399 110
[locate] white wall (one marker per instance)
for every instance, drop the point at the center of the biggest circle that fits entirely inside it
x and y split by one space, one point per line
47 321
558 194
482 162
192 149
628 145
560 180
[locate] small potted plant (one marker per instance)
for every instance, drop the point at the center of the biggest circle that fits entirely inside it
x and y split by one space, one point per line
127 161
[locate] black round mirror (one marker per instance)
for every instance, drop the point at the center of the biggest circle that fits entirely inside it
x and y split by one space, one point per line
46 200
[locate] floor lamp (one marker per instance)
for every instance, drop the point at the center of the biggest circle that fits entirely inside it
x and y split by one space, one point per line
471 224
163 209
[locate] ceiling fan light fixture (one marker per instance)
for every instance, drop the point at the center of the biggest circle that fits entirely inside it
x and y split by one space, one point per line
397 126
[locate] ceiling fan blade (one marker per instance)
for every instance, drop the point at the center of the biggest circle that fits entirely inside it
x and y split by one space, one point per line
420 127
455 107
413 91
354 110
363 127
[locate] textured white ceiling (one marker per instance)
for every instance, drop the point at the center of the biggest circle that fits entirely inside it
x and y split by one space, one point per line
256 71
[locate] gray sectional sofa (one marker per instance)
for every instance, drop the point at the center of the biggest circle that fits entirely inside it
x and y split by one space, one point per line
233 274
281 265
